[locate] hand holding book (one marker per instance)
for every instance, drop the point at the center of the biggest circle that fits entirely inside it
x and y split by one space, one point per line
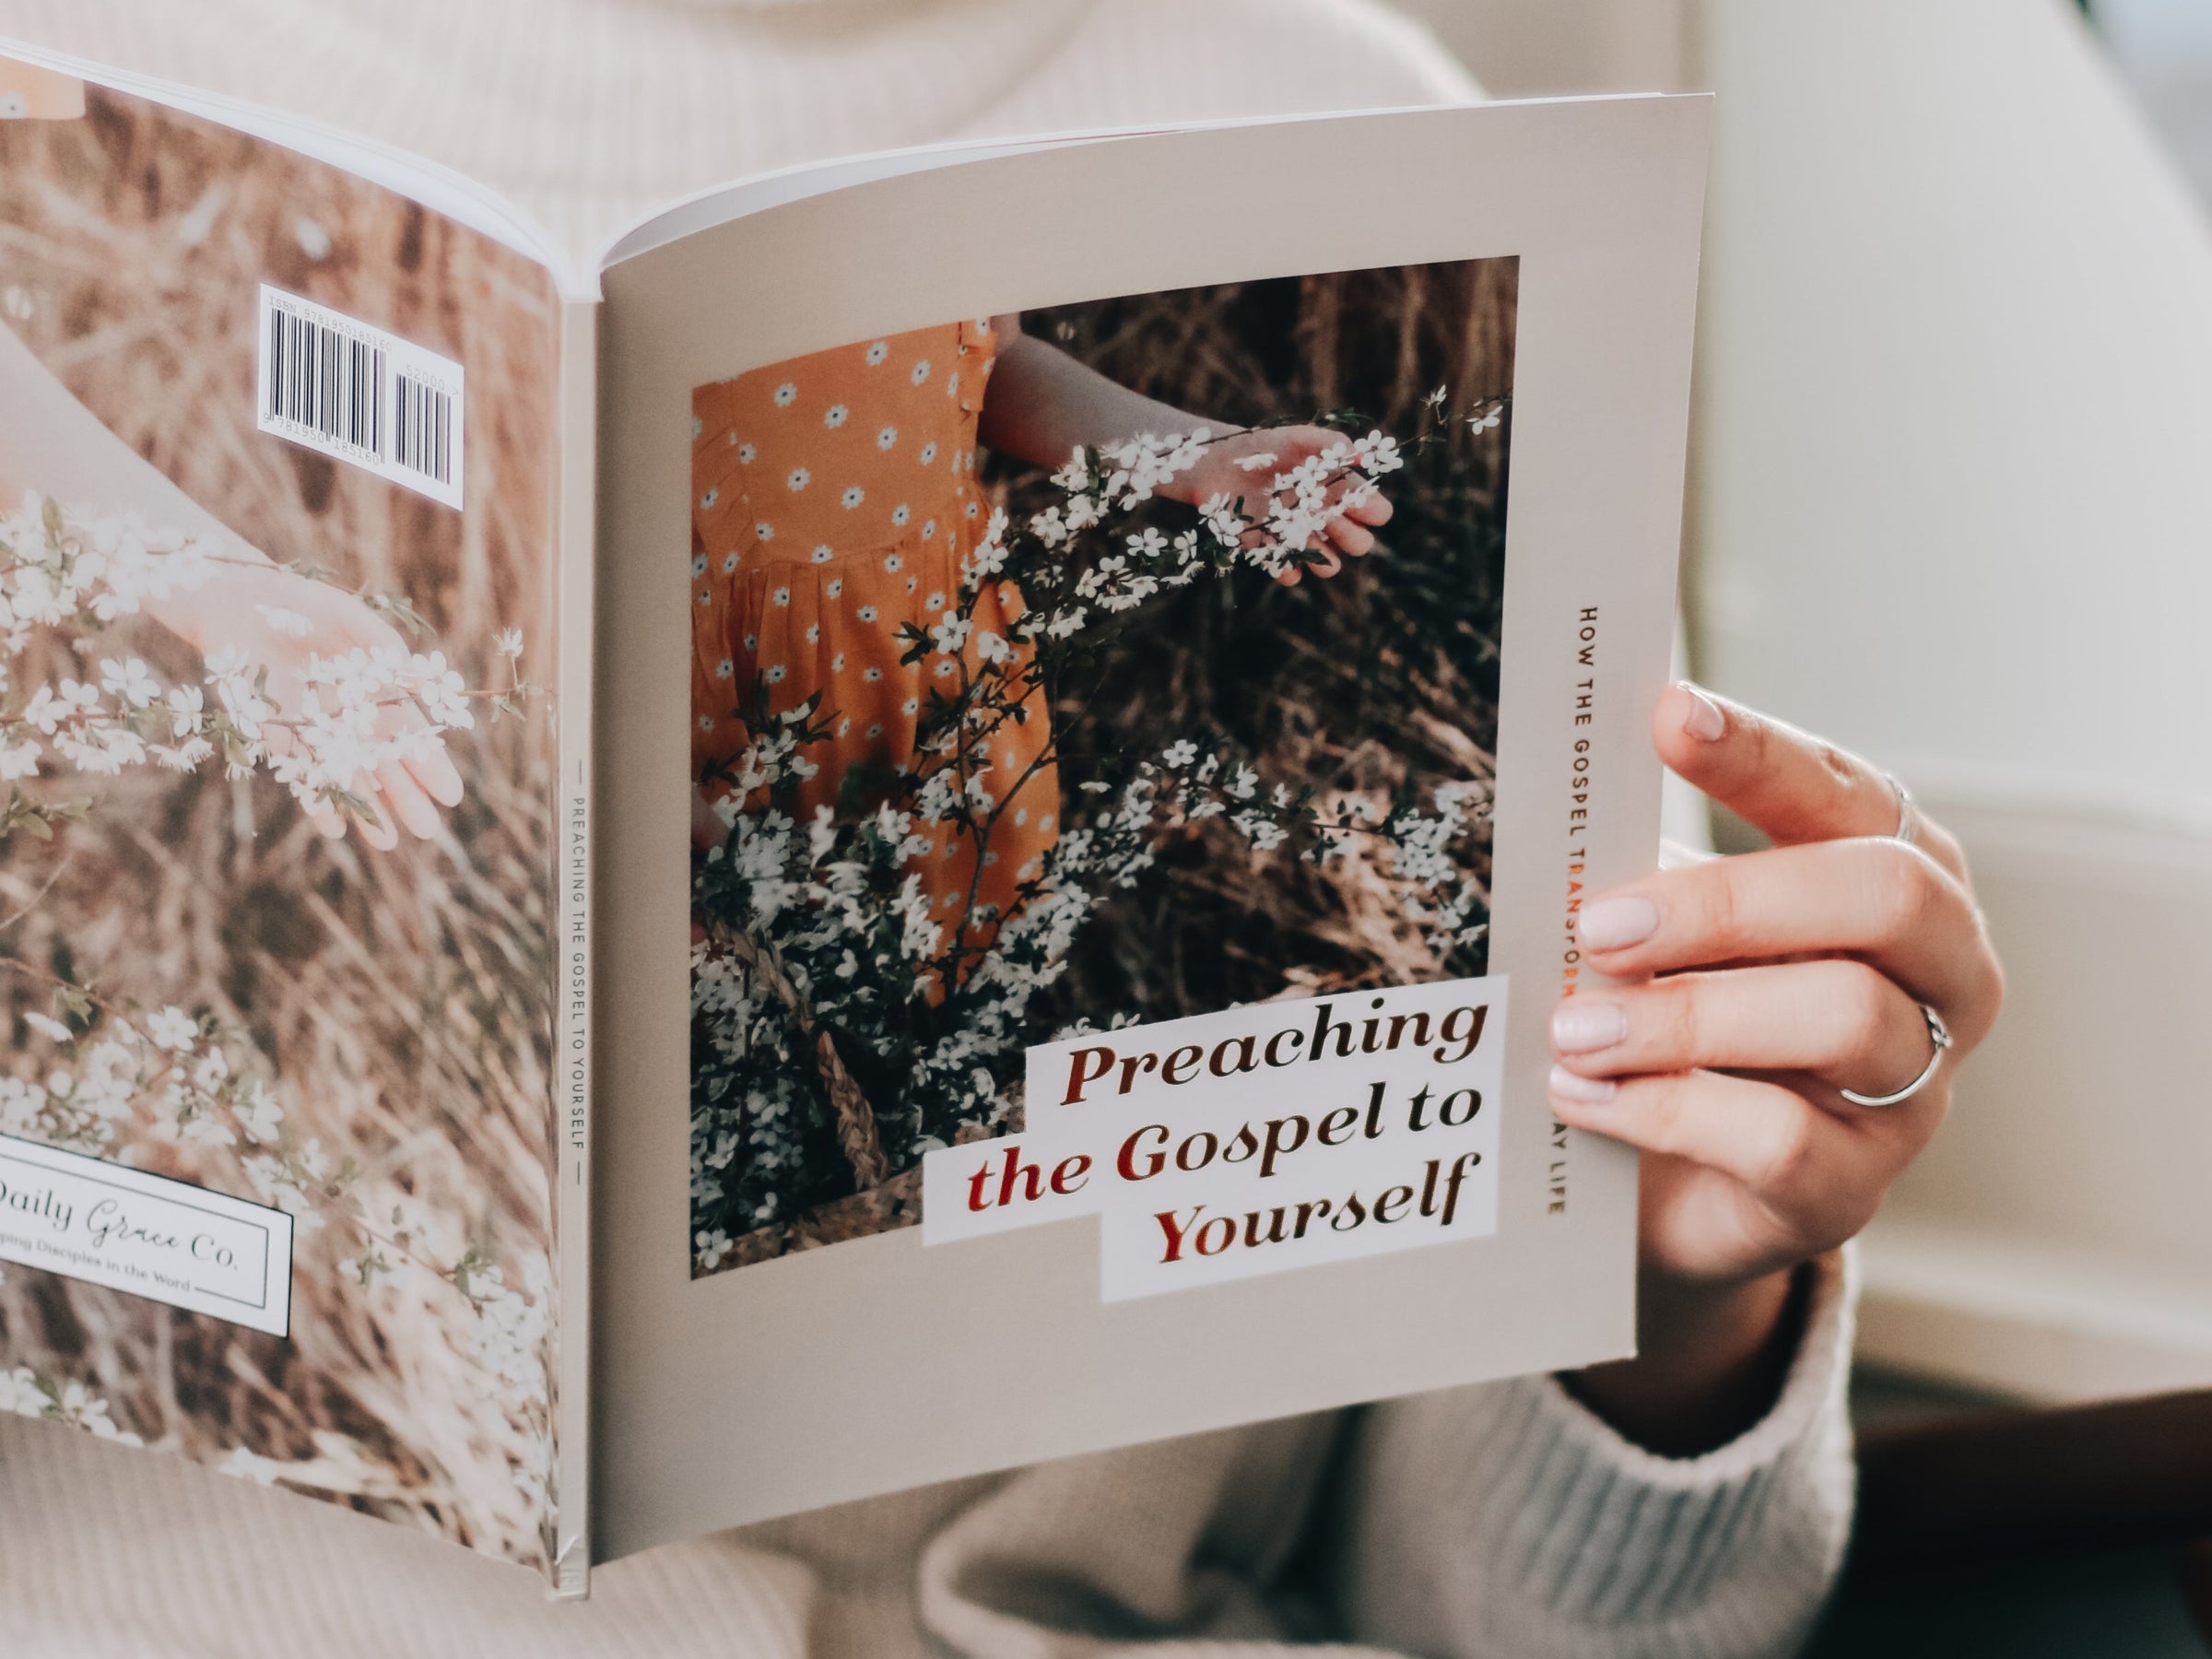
1770 983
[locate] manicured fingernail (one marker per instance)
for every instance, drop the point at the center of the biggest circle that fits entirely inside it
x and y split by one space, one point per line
1584 1091
1614 923
1578 1026
1703 720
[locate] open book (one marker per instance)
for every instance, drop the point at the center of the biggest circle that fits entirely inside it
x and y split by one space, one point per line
923 817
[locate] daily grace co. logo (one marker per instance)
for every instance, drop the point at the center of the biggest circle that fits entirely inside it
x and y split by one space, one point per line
169 1240
1266 1137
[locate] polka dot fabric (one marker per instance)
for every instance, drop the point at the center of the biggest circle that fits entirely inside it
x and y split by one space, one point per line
834 499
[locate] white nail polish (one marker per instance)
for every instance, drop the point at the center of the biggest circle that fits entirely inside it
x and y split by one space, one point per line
1581 1091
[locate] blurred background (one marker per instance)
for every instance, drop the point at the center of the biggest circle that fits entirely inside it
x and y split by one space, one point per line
1952 504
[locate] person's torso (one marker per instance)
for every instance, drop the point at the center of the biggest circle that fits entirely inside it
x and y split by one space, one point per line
843 453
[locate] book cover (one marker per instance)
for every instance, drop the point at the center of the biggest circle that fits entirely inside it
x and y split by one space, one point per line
1109 714
277 840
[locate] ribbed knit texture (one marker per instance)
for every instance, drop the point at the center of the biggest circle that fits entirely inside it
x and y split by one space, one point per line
1568 1541
1501 1520
1498 1521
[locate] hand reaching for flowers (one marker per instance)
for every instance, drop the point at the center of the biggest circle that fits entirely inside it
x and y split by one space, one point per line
242 612
1243 466
1043 404
261 614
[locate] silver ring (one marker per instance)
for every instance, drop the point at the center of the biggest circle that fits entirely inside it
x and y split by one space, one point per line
1940 1035
1905 830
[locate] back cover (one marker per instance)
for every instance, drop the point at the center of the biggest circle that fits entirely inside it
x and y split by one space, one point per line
277 456
1009 849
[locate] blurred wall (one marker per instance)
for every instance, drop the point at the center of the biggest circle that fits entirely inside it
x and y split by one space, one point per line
1528 48
1951 504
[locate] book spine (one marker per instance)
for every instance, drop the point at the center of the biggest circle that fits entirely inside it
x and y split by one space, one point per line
572 1028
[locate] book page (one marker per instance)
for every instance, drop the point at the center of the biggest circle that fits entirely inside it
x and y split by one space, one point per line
278 463
1119 664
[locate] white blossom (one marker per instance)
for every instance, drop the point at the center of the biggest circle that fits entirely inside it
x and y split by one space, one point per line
174 1029
289 623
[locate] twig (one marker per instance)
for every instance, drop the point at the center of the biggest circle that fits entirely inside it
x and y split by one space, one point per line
45 887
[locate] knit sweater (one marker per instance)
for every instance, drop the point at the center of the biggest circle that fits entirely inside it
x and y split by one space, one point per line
1502 1519
1496 1522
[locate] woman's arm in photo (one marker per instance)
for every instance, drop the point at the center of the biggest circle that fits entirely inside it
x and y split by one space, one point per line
1043 404
52 445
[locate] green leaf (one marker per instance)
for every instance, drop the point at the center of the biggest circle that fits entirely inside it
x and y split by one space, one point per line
357 804
400 610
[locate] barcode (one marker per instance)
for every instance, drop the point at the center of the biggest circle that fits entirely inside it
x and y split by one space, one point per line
347 388
322 379
422 427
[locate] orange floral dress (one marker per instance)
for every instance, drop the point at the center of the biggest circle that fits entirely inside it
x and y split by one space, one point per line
834 500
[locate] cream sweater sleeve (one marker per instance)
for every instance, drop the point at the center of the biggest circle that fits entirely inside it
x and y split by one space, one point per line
1507 1520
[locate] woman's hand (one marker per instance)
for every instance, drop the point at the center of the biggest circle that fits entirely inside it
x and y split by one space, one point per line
1759 987
280 619
1042 403
1350 534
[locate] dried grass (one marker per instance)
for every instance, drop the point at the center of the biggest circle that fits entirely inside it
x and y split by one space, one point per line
1380 679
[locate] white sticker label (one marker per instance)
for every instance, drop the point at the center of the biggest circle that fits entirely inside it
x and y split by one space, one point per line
336 384
1275 1135
169 1240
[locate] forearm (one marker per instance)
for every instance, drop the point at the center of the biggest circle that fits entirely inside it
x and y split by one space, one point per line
1043 404
54 445
51 444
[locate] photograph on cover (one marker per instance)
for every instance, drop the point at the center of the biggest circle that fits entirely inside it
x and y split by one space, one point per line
1056 671
276 820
